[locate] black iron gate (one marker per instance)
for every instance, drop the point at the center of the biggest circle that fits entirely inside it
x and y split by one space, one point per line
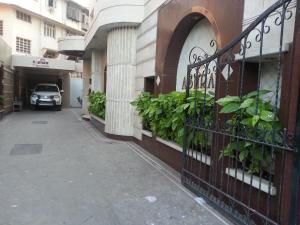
236 148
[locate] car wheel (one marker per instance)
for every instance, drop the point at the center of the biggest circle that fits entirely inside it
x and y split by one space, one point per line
33 107
58 108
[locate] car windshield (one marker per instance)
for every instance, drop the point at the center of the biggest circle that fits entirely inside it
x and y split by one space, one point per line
46 88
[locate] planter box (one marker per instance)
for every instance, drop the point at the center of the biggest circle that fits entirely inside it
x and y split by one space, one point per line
98 123
252 180
169 152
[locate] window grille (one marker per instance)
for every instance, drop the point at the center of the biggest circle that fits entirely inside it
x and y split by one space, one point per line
73 12
49 30
23 45
51 3
23 16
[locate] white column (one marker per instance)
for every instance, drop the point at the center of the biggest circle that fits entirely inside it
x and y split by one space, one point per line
86 85
121 70
98 66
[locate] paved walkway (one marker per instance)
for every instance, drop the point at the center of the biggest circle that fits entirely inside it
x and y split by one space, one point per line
56 169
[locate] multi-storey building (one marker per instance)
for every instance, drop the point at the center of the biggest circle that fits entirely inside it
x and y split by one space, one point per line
133 46
132 41
33 29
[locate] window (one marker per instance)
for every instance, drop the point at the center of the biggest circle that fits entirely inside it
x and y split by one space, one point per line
70 33
73 12
49 30
1 28
23 16
46 88
51 3
23 45
149 84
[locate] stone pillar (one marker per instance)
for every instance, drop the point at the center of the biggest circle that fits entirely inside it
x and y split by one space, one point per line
86 85
66 87
98 65
121 70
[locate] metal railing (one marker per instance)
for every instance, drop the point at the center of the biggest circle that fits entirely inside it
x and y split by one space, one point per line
237 127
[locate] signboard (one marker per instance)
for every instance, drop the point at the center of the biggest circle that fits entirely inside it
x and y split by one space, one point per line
41 62
199 45
200 81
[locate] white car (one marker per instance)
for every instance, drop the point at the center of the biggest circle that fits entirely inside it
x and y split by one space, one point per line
46 95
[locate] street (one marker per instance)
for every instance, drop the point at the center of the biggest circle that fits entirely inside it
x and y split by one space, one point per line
57 169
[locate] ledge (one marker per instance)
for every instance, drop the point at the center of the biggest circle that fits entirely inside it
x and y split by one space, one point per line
147 133
196 155
98 119
253 56
126 13
100 125
264 186
71 45
170 144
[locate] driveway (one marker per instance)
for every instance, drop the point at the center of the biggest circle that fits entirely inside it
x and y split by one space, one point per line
56 169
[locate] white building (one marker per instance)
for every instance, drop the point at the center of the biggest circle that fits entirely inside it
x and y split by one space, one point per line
32 29
133 46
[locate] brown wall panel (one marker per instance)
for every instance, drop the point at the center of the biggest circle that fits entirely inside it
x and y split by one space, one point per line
175 21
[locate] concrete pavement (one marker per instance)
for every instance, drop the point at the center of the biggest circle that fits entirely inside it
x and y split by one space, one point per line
56 169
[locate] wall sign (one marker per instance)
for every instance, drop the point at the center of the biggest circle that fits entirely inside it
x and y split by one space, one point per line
199 82
41 62
199 45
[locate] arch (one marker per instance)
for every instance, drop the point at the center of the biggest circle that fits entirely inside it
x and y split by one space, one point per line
182 31
175 22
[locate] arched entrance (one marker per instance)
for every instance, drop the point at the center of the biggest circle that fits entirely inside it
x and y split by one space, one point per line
200 43
176 21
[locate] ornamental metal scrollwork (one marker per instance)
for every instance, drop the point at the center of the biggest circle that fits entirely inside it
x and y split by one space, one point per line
247 45
288 14
281 15
265 30
197 54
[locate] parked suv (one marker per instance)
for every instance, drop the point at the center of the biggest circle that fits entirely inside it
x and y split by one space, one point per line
46 95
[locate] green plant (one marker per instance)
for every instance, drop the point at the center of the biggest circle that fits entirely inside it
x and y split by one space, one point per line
253 118
164 115
1 100
97 102
142 104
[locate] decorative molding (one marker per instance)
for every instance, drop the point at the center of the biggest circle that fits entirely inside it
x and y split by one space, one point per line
196 155
147 133
254 181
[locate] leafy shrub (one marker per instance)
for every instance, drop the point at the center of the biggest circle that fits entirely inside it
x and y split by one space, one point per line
253 118
164 115
97 104
1 100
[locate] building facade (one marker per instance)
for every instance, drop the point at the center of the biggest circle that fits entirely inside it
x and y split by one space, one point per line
33 31
131 47
146 45
6 77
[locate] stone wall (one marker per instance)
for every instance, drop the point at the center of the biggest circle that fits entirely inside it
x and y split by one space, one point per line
8 89
7 76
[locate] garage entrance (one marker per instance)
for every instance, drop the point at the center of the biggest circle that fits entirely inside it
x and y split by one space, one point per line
30 71
27 79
